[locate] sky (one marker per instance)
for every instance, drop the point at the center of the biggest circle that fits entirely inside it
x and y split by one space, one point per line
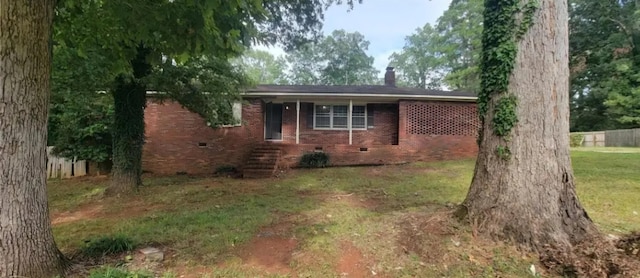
384 23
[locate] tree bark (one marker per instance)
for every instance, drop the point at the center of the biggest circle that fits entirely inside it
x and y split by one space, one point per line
530 197
129 96
27 247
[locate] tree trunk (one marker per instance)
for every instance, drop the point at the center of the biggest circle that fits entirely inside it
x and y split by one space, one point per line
129 95
27 248
529 196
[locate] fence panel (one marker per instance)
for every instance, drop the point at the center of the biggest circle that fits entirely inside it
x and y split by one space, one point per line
60 167
623 138
593 139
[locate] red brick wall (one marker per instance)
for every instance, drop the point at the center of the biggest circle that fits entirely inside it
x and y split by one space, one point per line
438 130
403 132
173 135
384 132
426 131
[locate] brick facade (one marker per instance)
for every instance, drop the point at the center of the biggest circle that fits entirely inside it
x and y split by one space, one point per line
384 132
177 140
404 131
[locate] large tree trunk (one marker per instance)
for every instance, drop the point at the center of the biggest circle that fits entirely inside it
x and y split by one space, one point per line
27 248
129 96
529 196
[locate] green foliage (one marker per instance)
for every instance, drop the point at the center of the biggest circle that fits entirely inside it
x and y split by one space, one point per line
504 117
575 140
80 117
624 105
205 85
419 63
503 152
226 169
338 59
262 67
80 126
138 38
110 272
305 65
460 42
605 64
107 245
445 54
314 160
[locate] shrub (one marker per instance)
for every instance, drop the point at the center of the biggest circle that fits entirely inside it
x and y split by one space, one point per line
314 160
575 140
107 246
226 170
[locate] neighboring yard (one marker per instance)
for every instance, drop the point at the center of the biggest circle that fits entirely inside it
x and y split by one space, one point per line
387 221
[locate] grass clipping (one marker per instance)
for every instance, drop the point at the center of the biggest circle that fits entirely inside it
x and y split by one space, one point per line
596 257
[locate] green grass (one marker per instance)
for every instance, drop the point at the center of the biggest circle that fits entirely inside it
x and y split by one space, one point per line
205 221
608 184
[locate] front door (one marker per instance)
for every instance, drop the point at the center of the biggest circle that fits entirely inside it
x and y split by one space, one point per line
273 121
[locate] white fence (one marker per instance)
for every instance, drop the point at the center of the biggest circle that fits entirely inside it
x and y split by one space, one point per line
60 167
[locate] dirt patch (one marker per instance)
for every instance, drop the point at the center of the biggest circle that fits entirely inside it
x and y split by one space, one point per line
351 263
272 248
270 253
96 210
423 235
85 212
356 201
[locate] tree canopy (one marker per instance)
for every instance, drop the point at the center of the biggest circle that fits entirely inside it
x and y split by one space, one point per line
338 59
447 54
420 62
180 48
605 64
262 67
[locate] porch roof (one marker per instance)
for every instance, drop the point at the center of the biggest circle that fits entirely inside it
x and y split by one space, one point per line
373 92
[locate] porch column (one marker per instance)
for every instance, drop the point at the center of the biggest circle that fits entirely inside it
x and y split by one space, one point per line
349 122
298 121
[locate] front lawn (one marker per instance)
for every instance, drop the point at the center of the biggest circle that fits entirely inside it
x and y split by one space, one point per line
386 221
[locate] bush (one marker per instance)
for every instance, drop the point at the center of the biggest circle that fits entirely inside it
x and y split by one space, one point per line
107 246
575 140
314 160
226 170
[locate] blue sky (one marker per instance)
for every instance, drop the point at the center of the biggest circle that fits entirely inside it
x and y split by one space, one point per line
384 23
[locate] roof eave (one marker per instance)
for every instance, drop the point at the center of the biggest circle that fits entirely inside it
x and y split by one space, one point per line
360 95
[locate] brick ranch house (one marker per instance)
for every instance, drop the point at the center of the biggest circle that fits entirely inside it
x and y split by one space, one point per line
354 125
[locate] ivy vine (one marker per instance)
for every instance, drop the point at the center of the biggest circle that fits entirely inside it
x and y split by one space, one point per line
505 23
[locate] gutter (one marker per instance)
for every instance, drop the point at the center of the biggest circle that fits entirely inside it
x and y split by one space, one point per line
352 95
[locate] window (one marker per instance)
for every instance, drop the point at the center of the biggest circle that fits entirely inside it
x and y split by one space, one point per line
237 113
337 117
359 117
236 110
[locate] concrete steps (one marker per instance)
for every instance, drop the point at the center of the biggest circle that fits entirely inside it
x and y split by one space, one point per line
262 162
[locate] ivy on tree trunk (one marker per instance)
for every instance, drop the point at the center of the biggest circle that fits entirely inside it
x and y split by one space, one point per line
129 94
523 188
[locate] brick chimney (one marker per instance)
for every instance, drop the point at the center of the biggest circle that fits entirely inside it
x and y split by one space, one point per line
390 77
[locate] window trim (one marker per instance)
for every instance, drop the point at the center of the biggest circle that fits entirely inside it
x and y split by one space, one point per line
331 113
